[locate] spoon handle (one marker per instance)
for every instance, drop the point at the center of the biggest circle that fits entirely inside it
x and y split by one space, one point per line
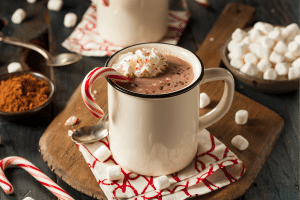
17 42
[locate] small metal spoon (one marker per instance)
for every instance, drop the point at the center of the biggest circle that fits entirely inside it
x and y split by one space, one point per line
51 60
90 134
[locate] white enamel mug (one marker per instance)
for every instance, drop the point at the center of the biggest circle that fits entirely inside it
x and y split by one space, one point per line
132 21
157 134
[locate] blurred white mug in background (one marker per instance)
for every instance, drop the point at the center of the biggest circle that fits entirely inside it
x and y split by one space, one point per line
132 21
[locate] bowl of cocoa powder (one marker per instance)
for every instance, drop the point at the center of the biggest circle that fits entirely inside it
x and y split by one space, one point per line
24 93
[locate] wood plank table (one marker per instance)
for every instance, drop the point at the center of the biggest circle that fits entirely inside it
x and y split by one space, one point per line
277 179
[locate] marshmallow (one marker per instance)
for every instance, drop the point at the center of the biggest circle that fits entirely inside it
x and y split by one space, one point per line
250 69
288 56
275 35
28 198
204 100
254 47
246 40
266 42
276 57
31 1
236 63
263 27
14 67
161 182
70 20
231 45
294 48
241 117
102 153
55 5
290 31
250 58
18 16
254 35
297 39
294 72
114 173
270 74
240 142
264 64
296 63
238 35
263 52
280 47
282 68
239 50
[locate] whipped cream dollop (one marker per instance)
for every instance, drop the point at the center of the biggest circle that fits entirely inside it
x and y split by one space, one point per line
142 63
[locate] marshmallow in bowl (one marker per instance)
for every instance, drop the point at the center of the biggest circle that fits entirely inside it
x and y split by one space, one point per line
282 68
142 63
294 48
236 63
18 16
274 47
238 35
250 69
276 57
290 31
280 47
296 63
264 64
270 74
250 58
294 72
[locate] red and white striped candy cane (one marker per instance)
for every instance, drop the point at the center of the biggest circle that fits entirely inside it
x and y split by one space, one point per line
105 2
34 171
88 81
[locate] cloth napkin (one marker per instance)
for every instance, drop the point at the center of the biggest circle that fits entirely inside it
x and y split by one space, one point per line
86 40
214 167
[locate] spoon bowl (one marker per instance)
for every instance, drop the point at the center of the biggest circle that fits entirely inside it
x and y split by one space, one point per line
51 60
90 134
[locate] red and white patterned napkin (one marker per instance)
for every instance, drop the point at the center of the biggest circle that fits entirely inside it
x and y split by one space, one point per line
214 167
86 40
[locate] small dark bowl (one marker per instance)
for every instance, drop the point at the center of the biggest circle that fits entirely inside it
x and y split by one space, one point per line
27 113
257 83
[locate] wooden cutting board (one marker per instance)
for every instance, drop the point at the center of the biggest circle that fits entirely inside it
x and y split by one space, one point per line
262 130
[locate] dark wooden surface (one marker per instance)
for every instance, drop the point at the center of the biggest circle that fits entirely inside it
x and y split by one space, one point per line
278 178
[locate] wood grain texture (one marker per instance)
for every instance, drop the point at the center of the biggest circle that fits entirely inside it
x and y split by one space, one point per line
63 156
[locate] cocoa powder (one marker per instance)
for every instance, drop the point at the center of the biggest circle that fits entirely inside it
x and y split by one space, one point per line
21 93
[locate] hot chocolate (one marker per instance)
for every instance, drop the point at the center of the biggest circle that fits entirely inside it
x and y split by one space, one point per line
176 75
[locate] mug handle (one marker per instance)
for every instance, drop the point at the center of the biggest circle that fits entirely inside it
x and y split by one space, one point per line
223 106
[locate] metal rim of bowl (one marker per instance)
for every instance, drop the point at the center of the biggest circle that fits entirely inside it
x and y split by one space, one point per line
36 109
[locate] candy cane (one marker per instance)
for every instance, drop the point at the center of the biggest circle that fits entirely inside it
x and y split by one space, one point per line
88 81
34 171
105 2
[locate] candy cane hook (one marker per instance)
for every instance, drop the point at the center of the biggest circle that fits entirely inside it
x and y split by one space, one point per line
34 171
105 2
88 81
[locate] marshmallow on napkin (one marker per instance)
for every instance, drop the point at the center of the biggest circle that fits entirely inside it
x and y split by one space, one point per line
201 176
